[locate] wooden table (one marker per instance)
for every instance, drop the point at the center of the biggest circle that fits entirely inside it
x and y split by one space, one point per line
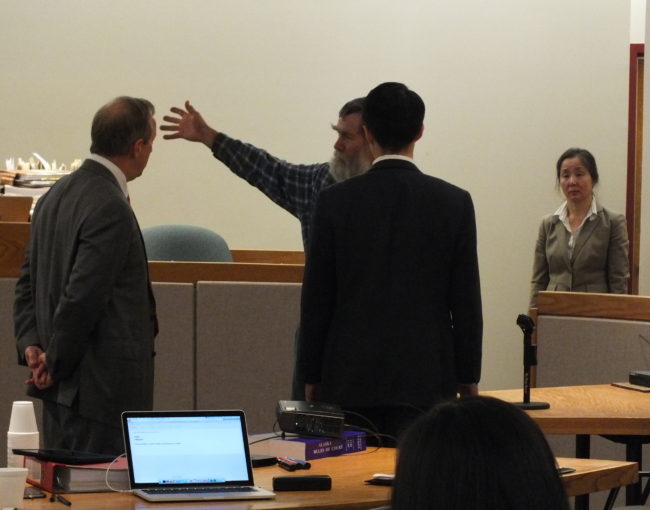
597 475
348 488
599 409
583 411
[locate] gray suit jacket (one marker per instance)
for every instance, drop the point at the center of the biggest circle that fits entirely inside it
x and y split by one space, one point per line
599 262
84 297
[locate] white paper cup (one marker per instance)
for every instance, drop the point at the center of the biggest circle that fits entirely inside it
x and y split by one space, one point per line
27 440
23 418
22 439
12 487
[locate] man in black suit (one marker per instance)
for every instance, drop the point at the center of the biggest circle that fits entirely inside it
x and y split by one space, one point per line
84 312
391 303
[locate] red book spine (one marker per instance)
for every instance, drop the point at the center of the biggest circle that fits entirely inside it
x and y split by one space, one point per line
41 473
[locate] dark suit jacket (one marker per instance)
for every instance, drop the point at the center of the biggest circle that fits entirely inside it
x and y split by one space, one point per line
391 304
84 297
599 262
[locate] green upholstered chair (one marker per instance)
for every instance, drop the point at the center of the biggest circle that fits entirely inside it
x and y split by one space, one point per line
186 243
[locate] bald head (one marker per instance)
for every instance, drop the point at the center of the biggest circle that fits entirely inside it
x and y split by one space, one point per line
119 124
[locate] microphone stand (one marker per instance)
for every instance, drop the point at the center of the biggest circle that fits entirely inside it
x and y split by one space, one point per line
530 359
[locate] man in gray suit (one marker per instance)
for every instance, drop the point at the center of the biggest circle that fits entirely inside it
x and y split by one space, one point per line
84 312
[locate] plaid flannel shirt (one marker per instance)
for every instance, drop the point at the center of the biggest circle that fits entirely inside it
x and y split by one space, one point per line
295 188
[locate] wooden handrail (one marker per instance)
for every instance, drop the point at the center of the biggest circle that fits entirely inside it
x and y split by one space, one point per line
604 306
192 272
248 265
268 256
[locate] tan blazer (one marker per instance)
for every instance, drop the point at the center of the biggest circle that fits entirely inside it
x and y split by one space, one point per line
599 262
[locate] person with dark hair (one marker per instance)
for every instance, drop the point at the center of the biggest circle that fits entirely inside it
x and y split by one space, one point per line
476 453
293 187
391 302
84 311
581 247
118 124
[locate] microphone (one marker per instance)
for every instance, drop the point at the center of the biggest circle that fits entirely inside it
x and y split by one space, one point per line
527 325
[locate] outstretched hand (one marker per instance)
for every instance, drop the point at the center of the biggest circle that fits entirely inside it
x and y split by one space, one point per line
188 124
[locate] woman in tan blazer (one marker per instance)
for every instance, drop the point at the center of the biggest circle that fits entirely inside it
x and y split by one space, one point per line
582 247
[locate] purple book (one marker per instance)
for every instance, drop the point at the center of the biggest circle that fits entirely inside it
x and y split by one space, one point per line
310 448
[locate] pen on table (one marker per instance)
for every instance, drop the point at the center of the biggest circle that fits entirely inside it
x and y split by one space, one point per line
302 463
287 464
63 500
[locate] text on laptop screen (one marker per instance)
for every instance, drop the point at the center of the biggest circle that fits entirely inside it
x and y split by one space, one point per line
187 449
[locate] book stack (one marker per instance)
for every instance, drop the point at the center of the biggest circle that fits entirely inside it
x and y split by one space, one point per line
310 448
60 477
7 176
37 178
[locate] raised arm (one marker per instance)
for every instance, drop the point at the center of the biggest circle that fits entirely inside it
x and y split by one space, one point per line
293 187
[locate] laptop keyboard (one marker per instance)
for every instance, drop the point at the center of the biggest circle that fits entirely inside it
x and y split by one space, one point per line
199 490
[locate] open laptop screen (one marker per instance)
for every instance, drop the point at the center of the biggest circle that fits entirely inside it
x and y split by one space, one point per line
187 448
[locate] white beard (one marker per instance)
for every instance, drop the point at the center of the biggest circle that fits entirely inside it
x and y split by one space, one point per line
343 169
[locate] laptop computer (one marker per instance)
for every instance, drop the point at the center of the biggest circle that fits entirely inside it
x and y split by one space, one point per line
189 456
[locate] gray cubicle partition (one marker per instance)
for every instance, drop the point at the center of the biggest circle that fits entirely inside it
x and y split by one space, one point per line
245 335
12 375
174 376
580 350
577 350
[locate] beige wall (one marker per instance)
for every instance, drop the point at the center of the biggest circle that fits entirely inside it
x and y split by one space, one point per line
508 86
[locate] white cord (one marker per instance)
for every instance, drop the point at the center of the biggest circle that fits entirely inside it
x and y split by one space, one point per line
107 471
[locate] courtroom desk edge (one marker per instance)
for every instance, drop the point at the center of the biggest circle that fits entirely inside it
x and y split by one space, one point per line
247 265
594 475
193 272
348 488
598 409
269 256
594 305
